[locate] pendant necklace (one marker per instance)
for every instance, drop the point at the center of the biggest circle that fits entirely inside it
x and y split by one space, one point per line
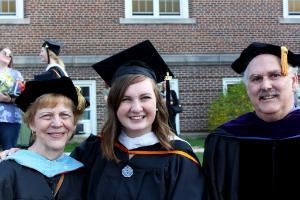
127 171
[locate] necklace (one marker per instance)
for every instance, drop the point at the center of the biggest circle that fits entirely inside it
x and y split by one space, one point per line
127 171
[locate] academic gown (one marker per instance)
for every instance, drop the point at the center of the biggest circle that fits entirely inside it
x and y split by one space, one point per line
21 182
159 177
248 158
53 71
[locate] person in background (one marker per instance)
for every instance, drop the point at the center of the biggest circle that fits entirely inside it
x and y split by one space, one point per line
11 84
105 93
51 110
255 156
136 155
172 106
50 54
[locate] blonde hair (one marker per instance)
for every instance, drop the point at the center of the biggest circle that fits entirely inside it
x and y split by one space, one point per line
50 100
57 59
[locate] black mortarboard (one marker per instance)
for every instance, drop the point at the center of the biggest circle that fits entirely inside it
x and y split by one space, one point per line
139 59
256 48
52 45
35 89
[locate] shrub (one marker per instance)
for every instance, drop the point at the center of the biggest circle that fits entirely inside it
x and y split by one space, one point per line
229 106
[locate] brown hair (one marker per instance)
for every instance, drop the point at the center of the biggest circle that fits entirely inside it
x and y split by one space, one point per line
112 126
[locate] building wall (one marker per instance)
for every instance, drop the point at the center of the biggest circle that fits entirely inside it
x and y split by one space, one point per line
93 28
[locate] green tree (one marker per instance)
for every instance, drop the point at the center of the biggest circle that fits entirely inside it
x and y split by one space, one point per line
229 106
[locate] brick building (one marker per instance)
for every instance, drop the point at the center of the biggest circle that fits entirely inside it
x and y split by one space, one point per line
198 40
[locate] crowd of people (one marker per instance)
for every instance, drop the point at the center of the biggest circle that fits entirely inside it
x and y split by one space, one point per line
137 154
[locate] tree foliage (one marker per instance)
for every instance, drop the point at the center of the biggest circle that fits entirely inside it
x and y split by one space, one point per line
235 103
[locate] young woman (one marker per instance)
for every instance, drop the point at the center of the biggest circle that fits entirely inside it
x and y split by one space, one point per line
11 82
52 109
136 155
50 55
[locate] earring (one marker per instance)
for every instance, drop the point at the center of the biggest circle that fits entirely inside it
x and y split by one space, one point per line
156 109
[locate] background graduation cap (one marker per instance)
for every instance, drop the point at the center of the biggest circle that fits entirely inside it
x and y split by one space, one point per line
53 46
256 48
142 58
35 89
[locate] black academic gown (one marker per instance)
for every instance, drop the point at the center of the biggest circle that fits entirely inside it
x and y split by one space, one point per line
155 177
19 182
174 102
53 72
248 158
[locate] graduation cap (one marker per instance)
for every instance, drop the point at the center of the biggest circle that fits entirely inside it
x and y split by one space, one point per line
52 45
141 58
256 48
35 89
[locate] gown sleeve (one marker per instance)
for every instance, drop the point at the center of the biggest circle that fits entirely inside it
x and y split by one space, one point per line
52 73
7 181
48 75
186 177
87 151
220 166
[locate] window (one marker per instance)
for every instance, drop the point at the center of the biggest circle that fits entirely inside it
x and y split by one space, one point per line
88 123
294 7
291 8
156 9
11 9
169 7
227 82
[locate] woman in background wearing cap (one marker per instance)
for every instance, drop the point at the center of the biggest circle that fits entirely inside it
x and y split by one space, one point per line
10 87
50 55
137 156
52 109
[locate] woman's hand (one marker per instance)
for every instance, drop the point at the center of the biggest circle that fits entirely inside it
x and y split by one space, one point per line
4 97
5 153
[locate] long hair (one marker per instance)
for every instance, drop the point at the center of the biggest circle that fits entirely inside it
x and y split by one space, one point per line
112 126
57 59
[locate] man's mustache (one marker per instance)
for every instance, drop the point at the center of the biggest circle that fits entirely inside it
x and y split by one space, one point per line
265 94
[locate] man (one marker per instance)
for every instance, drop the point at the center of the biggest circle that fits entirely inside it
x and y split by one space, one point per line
256 156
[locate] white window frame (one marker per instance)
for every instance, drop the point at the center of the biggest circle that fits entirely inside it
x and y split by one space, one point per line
19 11
93 120
285 4
184 11
230 81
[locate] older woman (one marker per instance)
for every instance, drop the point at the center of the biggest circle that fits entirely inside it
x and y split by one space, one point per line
52 109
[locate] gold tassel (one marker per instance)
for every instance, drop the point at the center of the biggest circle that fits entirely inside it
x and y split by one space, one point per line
284 61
